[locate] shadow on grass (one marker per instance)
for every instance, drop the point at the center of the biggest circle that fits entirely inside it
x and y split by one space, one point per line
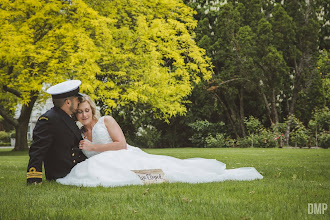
11 152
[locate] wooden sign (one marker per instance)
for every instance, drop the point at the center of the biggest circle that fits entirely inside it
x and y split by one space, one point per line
150 176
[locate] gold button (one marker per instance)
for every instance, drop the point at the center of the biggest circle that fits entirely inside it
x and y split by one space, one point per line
74 161
73 154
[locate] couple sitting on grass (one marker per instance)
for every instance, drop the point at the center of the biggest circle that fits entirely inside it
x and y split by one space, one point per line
98 155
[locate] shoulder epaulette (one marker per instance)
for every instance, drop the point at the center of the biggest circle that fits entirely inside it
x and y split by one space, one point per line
43 118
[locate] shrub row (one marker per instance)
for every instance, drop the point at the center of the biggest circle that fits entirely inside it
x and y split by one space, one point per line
315 134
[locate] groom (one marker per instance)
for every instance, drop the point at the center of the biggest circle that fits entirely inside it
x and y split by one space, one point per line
56 136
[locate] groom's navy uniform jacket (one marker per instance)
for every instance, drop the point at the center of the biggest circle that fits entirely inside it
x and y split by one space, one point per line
55 143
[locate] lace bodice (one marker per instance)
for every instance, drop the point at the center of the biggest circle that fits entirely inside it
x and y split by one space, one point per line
100 135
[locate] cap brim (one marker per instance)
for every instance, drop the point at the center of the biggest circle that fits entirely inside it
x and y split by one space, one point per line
79 94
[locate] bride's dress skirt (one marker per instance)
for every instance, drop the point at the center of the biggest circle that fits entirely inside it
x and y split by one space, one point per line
114 168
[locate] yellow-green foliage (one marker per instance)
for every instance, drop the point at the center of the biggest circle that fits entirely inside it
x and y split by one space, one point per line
46 43
122 51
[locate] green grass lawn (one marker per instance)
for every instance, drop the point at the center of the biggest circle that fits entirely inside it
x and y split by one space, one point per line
292 179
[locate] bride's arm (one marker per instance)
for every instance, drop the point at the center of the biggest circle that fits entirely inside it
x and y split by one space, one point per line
116 134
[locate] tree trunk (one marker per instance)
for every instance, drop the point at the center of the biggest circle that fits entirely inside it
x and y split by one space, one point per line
241 111
22 126
231 121
267 107
21 137
235 119
316 137
293 101
291 113
274 110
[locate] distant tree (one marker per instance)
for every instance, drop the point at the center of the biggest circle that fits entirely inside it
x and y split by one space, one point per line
323 67
264 55
301 55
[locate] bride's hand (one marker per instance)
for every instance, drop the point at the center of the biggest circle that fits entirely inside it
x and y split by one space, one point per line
86 145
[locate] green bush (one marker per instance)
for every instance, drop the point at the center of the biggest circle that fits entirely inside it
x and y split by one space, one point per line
218 141
147 137
324 139
231 142
299 134
259 136
252 124
322 118
299 137
203 130
246 142
263 139
198 139
319 125
4 137
12 134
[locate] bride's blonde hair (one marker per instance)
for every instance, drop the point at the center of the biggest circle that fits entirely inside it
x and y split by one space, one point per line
95 112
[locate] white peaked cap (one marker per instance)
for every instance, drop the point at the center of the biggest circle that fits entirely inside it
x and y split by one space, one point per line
65 89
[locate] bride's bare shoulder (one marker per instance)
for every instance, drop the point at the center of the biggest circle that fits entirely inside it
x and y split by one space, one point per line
109 119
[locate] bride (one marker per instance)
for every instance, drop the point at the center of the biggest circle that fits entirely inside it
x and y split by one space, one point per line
111 161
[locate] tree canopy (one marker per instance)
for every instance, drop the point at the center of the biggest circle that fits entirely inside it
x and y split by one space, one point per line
264 53
154 59
270 62
123 52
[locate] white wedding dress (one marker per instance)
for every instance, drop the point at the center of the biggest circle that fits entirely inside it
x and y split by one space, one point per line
114 168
